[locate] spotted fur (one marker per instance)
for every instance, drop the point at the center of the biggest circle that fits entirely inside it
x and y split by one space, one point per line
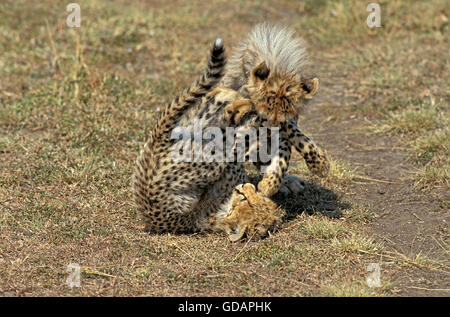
198 195
201 195
267 69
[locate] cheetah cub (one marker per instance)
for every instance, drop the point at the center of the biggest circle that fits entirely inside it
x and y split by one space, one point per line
267 70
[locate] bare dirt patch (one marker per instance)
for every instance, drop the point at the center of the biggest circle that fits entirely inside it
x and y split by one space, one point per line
412 222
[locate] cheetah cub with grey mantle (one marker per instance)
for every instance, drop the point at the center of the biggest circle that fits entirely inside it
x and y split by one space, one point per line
266 69
199 195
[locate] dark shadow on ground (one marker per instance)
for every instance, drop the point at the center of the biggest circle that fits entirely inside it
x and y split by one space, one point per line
314 199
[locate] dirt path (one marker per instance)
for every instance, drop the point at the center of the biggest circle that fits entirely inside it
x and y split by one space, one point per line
409 222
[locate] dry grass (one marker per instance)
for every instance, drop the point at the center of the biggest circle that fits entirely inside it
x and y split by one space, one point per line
77 104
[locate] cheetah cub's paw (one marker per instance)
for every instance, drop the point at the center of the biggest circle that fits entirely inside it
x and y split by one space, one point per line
319 165
292 185
235 111
251 214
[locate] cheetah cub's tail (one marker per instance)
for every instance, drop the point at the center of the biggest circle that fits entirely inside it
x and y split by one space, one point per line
189 97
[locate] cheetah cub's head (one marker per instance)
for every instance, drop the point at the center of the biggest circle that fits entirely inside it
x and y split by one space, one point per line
279 97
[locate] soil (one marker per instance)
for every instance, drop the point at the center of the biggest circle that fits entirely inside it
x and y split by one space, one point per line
409 221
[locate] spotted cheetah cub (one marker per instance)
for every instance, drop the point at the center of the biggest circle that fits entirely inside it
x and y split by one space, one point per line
198 195
267 70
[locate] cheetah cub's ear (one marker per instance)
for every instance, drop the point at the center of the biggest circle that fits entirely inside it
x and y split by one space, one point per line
260 72
310 87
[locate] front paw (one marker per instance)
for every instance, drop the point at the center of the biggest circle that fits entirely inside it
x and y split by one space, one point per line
269 185
318 164
235 111
292 185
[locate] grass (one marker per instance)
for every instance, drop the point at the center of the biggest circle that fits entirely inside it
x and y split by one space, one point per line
429 176
76 105
415 121
429 146
341 172
357 243
349 290
429 150
322 228
398 76
432 152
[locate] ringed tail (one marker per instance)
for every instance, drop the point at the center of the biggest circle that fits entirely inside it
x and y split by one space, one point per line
189 97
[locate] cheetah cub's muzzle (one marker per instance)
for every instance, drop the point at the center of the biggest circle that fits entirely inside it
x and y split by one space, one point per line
251 214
